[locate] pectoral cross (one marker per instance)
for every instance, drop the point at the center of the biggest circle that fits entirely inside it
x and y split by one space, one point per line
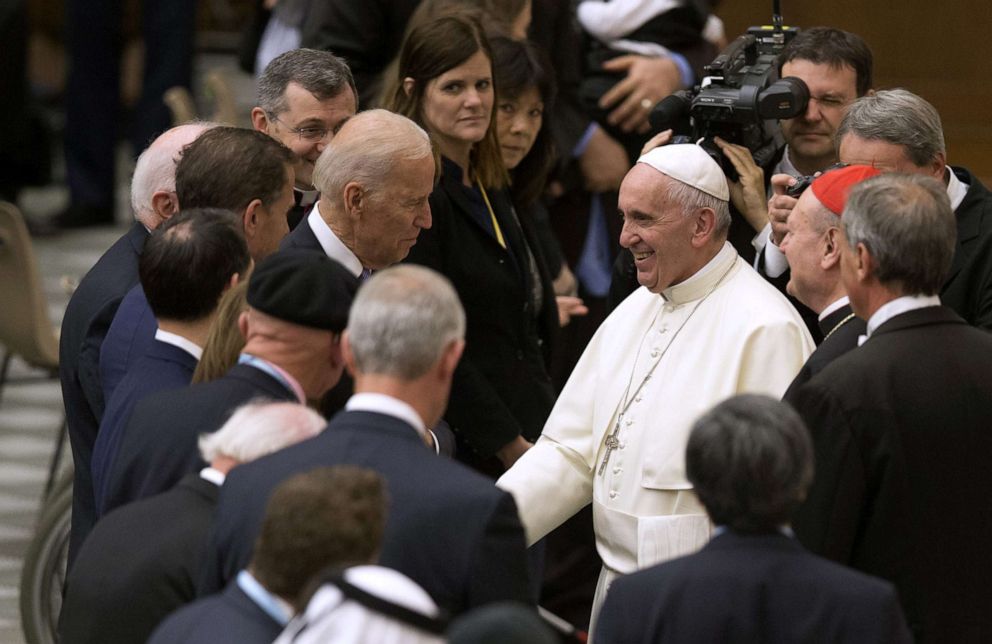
612 443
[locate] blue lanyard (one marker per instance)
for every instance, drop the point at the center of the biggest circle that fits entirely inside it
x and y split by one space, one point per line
258 363
265 600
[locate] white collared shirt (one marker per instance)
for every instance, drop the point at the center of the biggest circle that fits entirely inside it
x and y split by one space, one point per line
844 301
956 189
898 306
383 404
175 340
333 247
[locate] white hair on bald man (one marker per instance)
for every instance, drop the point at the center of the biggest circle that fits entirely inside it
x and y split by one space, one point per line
258 428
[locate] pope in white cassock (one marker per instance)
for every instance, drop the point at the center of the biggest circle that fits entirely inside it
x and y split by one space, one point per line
703 327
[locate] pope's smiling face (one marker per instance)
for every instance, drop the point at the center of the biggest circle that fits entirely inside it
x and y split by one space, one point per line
656 229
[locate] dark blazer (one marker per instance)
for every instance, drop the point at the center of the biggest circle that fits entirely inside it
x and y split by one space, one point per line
449 529
754 588
159 443
138 564
301 237
130 335
231 616
840 331
84 326
968 288
900 430
501 387
163 367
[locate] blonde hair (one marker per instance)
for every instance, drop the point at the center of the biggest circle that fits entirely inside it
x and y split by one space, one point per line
224 341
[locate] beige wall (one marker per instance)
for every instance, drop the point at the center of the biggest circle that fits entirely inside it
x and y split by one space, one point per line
939 50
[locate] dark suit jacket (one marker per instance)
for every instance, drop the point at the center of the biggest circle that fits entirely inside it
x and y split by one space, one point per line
449 529
968 288
159 443
163 367
754 588
301 237
87 317
900 430
231 616
501 387
128 339
138 564
842 339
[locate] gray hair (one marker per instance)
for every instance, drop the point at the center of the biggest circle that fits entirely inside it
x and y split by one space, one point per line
319 72
155 169
261 427
899 117
750 460
690 199
402 320
908 227
366 149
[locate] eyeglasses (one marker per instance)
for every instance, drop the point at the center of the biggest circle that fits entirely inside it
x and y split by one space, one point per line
312 134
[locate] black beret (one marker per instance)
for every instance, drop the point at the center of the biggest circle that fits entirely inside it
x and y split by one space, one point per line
303 287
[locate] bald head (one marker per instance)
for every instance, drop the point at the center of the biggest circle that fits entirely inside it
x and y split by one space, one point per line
153 186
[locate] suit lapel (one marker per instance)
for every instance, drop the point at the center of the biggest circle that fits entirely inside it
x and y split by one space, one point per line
977 205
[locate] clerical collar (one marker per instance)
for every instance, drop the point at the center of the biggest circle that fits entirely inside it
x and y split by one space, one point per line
332 246
280 611
704 280
956 189
842 302
176 340
899 306
305 198
383 404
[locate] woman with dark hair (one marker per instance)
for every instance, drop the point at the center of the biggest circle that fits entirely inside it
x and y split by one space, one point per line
501 394
526 91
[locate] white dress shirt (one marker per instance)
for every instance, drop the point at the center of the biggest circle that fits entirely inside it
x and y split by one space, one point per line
333 247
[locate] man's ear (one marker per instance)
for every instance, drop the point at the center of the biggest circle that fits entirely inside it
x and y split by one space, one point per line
260 120
164 203
251 218
937 165
864 263
408 85
346 353
830 256
355 199
704 228
243 324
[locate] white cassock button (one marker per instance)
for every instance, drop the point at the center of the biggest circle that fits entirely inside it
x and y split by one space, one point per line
663 329
621 445
655 353
638 399
629 422
613 495
616 470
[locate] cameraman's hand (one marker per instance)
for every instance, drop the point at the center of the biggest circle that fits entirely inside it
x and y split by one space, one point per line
748 192
780 205
604 163
661 138
648 81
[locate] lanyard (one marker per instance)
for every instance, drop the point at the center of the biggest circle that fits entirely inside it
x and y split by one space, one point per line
492 215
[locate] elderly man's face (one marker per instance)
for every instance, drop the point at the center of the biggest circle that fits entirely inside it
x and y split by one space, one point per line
811 135
655 229
318 121
803 246
395 215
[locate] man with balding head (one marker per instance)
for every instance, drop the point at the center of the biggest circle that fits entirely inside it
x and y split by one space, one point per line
704 326
812 246
900 424
95 302
298 306
374 179
897 131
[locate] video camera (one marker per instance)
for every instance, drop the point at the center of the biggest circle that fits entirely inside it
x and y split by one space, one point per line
740 98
